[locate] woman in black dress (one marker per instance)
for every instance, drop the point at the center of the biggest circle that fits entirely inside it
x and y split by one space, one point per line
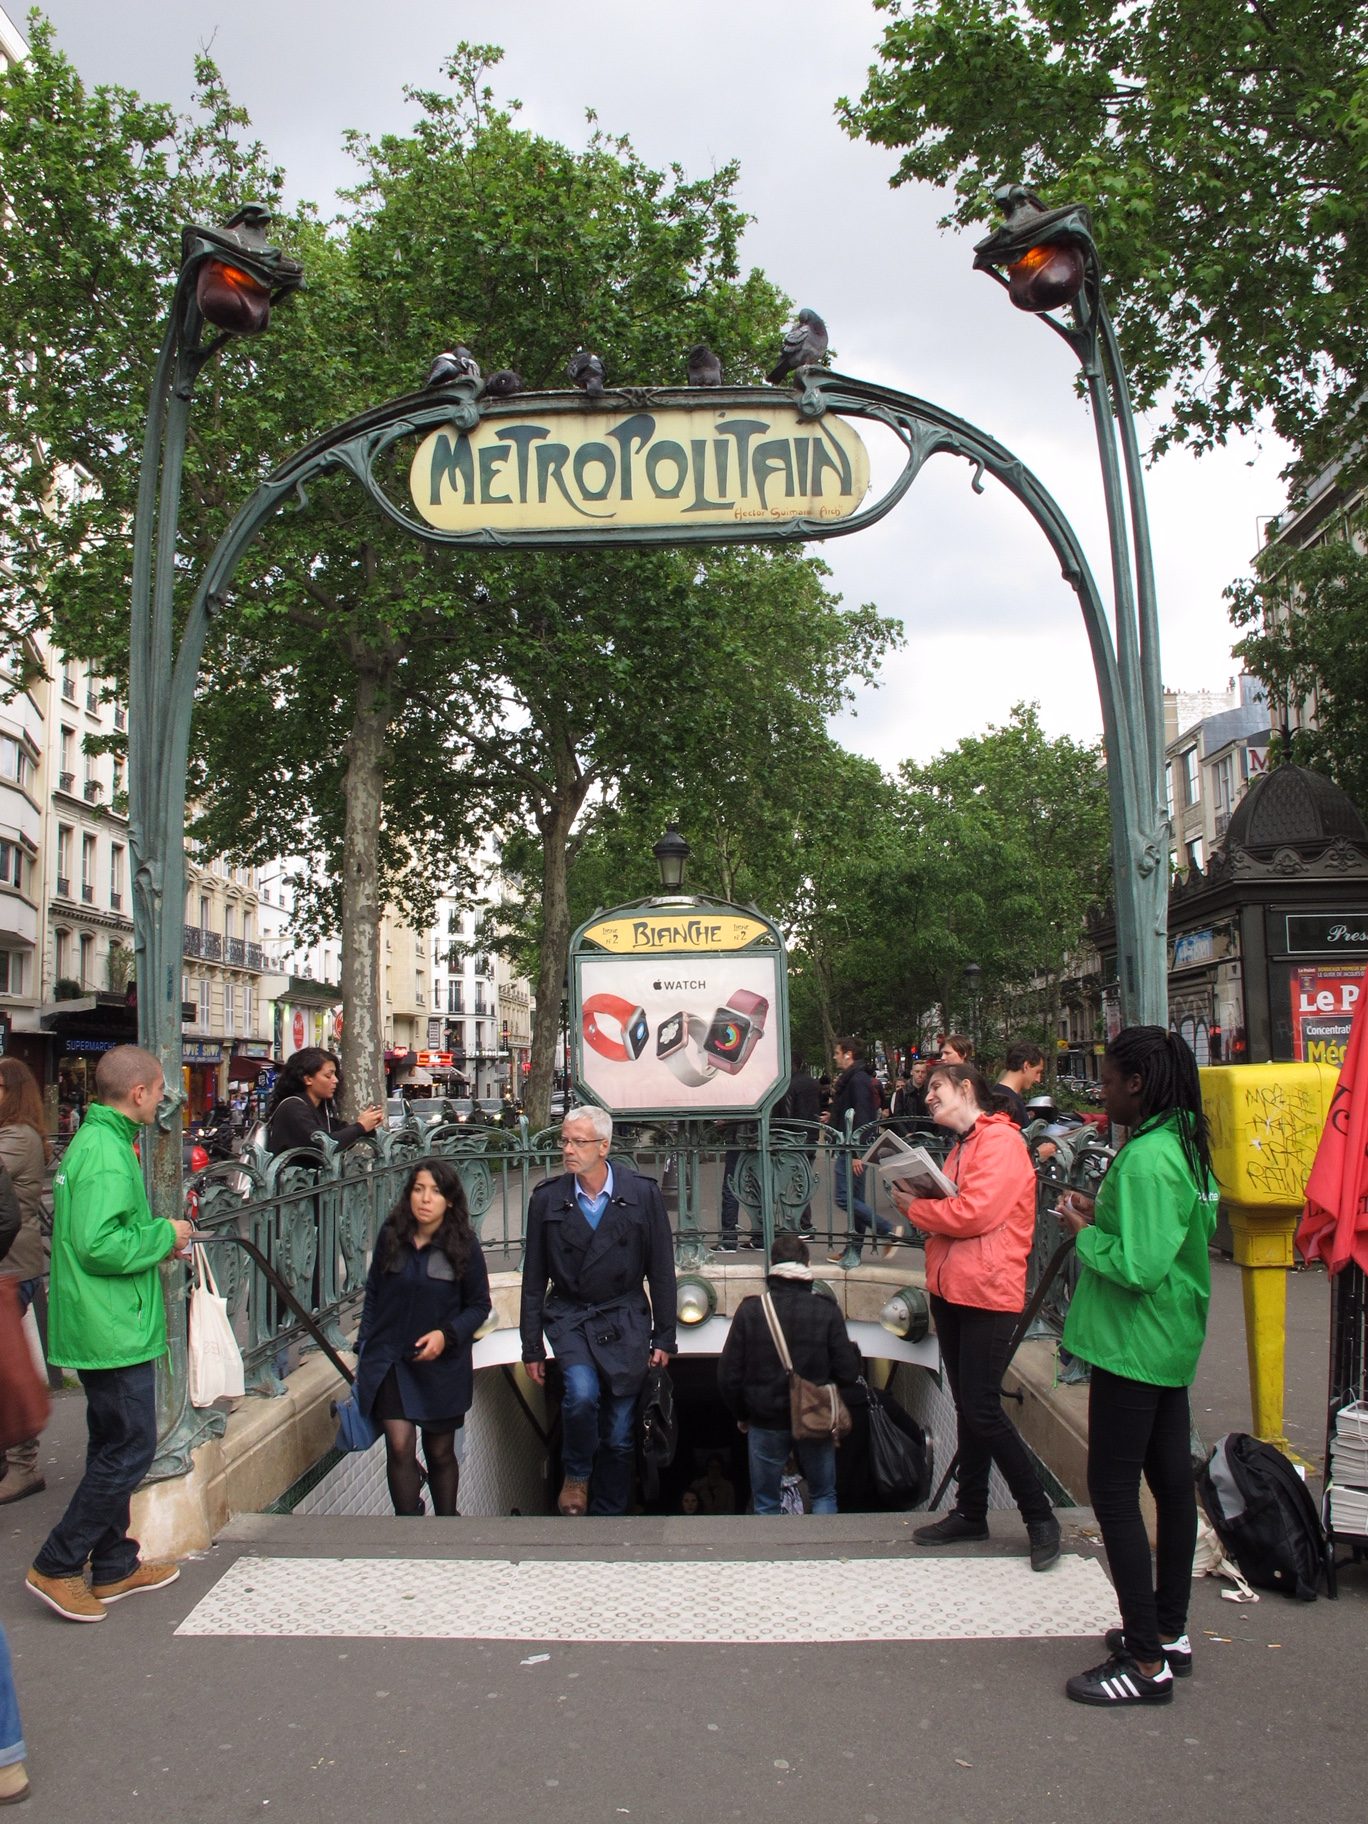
427 1294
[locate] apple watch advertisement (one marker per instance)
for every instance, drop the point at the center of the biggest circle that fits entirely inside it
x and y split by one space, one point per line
660 1035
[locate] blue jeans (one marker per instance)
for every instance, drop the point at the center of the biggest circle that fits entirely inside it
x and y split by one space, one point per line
856 1206
769 1452
598 1437
11 1730
121 1420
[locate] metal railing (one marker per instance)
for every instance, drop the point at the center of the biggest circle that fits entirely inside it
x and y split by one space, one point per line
315 1213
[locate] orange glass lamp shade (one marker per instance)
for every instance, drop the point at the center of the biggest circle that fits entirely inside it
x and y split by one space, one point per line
232 299
1046 276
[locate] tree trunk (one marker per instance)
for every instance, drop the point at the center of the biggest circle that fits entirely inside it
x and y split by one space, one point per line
363 1038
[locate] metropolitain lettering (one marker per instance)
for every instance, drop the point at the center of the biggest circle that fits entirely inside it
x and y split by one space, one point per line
738 469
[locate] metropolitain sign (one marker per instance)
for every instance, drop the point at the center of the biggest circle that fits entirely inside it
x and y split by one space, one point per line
669 468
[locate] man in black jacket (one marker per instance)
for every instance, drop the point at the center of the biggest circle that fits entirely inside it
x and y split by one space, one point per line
754 1384
854 1091
597 1236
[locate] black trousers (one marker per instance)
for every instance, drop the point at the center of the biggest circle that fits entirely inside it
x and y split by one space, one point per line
1134 1429
974 1349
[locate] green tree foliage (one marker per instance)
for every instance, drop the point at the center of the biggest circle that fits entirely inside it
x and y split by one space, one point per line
1307 639
1221 145
365 697
991 853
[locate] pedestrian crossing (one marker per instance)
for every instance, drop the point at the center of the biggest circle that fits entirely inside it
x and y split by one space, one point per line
792 1600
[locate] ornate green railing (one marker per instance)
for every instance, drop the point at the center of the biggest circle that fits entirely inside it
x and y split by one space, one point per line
315 1213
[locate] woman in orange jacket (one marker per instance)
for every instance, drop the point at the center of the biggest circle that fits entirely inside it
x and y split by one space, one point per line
977 1246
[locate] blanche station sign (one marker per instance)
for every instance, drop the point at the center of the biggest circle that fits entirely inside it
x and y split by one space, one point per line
668 468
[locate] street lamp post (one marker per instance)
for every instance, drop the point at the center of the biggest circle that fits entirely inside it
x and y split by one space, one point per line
971 973
229 278
672 854
1047 260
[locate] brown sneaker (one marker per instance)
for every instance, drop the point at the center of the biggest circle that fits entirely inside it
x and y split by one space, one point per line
67 1596
146 1577
14 1784
18 1483
574 1498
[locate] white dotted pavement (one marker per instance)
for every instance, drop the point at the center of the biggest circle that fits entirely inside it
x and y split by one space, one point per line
793 1600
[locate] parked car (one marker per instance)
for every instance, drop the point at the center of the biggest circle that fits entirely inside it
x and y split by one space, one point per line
396 1111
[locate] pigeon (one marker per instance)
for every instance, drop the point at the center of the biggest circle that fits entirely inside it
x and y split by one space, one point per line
453 364
586 370
805 342
502 384
704 367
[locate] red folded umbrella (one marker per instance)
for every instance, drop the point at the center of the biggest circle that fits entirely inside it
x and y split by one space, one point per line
1334 1224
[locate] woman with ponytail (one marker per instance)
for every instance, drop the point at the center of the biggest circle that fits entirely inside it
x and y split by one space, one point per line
1138 1315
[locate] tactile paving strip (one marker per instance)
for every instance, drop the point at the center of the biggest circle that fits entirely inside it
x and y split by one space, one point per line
787 1601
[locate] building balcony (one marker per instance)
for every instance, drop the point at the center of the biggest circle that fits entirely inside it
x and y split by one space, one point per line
63 887
192 940
116 902
235 952
92 790
68 687
66 782
87 893
255 957
92 701
120 717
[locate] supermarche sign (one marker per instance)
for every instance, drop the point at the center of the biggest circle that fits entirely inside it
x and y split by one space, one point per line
666 469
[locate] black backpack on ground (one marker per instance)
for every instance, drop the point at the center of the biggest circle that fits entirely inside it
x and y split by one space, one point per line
657 1429
1265 1518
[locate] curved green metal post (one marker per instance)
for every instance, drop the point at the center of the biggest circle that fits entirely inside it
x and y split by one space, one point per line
163 677
1140 844
161 703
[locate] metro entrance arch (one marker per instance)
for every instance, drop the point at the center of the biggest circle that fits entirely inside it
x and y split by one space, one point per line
636 466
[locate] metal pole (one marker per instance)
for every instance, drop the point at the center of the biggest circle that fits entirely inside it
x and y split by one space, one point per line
1141 825
161 703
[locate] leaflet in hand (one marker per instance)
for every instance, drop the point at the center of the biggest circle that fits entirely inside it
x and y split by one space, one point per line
908 1169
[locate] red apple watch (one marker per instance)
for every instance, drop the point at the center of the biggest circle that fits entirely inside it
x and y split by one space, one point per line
735 1031
633 1027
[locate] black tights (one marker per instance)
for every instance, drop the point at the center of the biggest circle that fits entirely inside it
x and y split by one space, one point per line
402 1471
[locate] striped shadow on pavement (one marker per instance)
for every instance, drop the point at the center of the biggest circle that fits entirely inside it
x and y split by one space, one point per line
793 1600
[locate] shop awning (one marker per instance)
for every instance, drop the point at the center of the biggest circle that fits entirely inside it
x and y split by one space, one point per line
243 1069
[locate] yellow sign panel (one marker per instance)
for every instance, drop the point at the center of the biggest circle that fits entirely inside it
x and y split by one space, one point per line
665 933
670 468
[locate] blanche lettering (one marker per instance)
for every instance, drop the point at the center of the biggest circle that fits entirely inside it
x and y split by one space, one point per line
692 933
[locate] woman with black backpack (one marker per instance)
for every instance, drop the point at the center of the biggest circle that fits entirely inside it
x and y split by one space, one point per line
1138 1315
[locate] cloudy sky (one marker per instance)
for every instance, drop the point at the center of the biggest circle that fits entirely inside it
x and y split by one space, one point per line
988 620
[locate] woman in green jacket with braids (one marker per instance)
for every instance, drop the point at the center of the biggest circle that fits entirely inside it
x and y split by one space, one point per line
1138 1315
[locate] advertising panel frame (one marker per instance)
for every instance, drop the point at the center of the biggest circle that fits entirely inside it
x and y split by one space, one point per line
685 952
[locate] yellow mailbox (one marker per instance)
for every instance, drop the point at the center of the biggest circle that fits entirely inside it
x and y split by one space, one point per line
1266 1122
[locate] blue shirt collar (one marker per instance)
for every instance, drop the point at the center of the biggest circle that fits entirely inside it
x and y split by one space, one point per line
594 1207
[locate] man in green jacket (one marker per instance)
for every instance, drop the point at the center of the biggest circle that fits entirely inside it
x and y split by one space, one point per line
106 1320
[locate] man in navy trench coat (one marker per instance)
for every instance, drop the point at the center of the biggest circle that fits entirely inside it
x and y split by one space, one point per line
597 1237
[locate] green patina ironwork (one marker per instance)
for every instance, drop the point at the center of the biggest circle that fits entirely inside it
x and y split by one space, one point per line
315 1213
163 675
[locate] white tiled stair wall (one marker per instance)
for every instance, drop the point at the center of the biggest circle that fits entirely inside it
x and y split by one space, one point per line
501 1458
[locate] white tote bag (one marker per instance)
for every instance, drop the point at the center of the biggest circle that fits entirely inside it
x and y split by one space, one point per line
215 1359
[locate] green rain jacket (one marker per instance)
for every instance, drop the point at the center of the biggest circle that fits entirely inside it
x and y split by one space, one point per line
1140 1306
105 1299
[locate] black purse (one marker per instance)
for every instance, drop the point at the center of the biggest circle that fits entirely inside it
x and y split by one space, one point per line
899 1454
